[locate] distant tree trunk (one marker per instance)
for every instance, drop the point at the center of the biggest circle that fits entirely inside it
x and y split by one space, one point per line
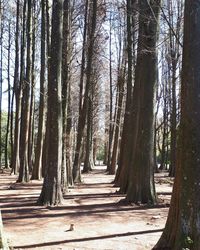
89 160
82 104
121 81
69 141
182 229
17 91
31 144
111 127
88 90
37 169
48 54
173 121
90 81
24 164
141 179
66 71
121 178
164 134
51 193
7 144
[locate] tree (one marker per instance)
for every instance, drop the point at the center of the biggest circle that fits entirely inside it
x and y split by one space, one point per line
66 92
37 169
182 229
121 178
88 88
51 193
141 178
26 83
17 92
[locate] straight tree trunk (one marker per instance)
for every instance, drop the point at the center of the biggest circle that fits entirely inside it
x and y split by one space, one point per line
182 229
17 91
24 164
121 178
141 181
7 144
111 127
37 168
82 105
66 60
51 193
83 115
114 158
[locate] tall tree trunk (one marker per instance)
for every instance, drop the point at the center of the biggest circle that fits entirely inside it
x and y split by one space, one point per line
17 90
89 160
121 178
37 169
114 157
7 144
83 115
51 193
82 104
182 229
31 144
24 164
141 182
66 60
111 127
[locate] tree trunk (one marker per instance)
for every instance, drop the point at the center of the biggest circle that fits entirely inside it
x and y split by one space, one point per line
66 60
51 193
121 178
37 169
182 230
82 104
141 181
9 102
24 164
88 91
114 158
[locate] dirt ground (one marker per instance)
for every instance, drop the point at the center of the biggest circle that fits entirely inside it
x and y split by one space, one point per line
101 221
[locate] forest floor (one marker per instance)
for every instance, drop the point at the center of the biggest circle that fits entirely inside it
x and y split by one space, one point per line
101 221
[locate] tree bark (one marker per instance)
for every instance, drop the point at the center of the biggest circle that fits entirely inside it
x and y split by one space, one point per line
182 228
83 115
51 193
141 187
37 168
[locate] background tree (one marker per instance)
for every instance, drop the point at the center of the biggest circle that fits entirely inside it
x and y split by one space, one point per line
37 168
88 87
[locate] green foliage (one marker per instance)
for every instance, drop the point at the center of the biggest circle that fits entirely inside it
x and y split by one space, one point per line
100 153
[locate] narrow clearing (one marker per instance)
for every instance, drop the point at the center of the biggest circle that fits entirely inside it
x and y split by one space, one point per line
100 221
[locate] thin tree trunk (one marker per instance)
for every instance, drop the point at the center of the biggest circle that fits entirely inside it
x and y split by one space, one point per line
37 168
7 144
83 115
17 90
24 164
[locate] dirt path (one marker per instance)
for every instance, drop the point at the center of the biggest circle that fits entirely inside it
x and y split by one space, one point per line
100 222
